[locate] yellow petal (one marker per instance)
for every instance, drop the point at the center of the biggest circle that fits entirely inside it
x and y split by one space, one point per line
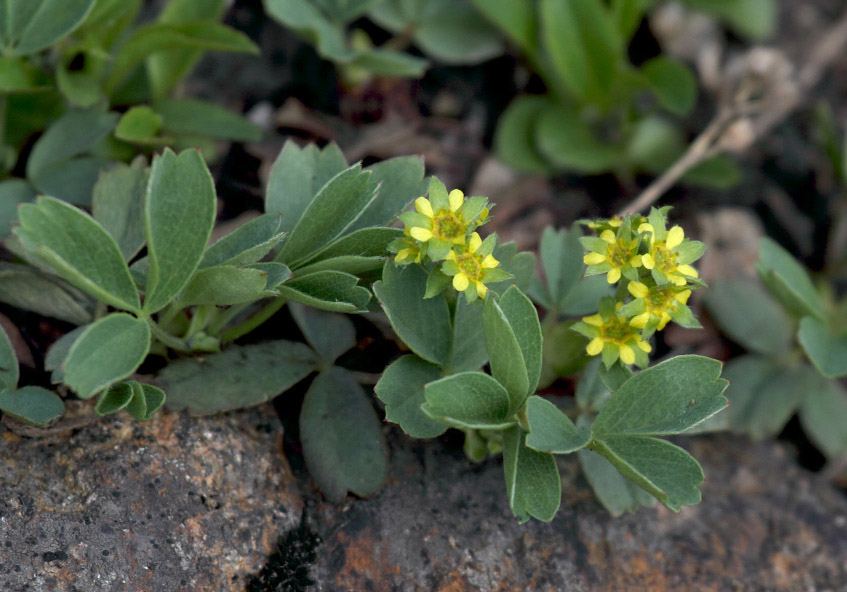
613 276
403 253
666 318
424 206
683 296
608 236
593 258
675 236
646 228
647 260
677 280
456 199
635 261
595 320
481 290
687 270
489 262
615 222
627 355
644 346
595 346
450 256
638 289
421 234
640 321
461 282
474 243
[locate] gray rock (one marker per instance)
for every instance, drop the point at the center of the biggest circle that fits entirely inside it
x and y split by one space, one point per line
443 524
176 503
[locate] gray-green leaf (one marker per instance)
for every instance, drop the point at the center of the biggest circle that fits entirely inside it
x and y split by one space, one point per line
246 244
552 431
118 204
330 334
826 351
401 388
9 371
788 280
31 404
469 400
533 485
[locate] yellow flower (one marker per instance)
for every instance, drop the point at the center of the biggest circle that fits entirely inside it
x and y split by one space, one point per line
473 266
669 254
444 224
655 305
615 338
611 254
408 250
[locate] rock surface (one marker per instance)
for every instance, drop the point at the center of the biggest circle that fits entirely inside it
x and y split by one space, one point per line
176 503
443 524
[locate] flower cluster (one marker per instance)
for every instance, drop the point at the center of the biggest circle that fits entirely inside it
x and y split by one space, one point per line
651 265
440 233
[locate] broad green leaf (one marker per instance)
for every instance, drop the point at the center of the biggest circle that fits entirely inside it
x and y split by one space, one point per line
346 10
118 204
521 265
533 485
468 400
336 206
365 242
584 297
79 249
748 315
822 414
384 62
614 378
240 376
18 75
146 400
276 273
400 180
108 20
423 325
28 26
9 371
352 264
401 388
665 471
58 351
755 19
505 353
13 192
30 289
329 334
718 172
109 350
591 393
523 319
114 399
191 117
140 125
672 83
788 280
568 142
667 398
561 255
31 404
563 351
179 213
468 351
517 19
71 180
514 140
342 438
246 244
584 45
764 394
309 21
224 285
296 177
328 290
552 431
826 351
148 39
614 491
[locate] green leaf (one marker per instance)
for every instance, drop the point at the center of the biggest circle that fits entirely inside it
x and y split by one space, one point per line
20 76
13 192
514 140
29 289
521 265
755 19
114 399
826 351
561 255
665 471
9 371
31 404
423 325
336 206
400 180
749 316
584 45
365 242
401 389
568 142
672 83
564 351
239 377
179 214
517 19
523 319
191 117
533 485
328 290
118 204
28 26
79 249
667 398
58 352
505 353
616 493
308 20
342 437
147 400
614 378
276 273
108 350
591 393
328 333
718 172
787 280
71 180
822 414
149 39
139 125
384 62
246 244
584 297
468 400
224 285
552 431
468 351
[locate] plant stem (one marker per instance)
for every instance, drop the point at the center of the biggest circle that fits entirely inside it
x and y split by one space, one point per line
175 343
224 317
255 321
